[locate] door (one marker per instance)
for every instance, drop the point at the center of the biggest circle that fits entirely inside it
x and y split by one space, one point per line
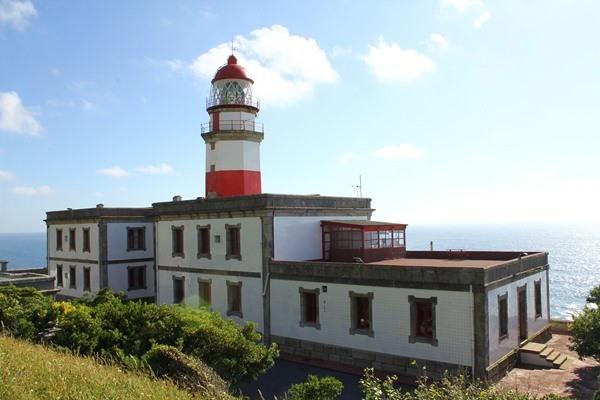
522 299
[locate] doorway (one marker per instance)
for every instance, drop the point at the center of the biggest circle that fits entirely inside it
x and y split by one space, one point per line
522 310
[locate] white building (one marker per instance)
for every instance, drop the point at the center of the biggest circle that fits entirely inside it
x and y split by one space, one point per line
89 249
318 276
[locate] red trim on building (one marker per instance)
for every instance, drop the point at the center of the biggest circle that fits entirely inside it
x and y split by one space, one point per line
232 183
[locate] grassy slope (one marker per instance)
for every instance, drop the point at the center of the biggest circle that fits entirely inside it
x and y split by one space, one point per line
30 371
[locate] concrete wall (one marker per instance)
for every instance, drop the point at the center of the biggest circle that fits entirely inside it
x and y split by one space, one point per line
391 320
300 238
497 348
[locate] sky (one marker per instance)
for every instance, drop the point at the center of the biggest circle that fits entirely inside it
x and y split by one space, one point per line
443 111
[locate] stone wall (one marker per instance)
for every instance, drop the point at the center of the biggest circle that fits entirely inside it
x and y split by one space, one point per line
302 350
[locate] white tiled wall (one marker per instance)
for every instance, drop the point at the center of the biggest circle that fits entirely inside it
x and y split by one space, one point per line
251 293
250 241
499 349
300 238
391 320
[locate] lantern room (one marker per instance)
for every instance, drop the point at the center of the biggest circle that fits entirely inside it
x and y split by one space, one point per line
362 241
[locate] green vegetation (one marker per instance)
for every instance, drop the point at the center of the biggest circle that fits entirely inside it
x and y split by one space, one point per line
327 388
451 387
34 372
585 328
113 328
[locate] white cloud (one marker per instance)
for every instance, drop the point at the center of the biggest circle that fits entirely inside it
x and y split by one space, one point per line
15 117
6 176
438 43
155 169
482 19
16 13
31 191
285 67
404 151
390 62
462 5
55 71
115 172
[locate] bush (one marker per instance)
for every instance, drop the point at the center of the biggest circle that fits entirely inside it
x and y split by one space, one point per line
585 328
450 387
327 388
24 311
187 372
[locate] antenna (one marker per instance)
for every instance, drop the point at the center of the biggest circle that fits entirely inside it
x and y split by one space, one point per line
232 48
358 187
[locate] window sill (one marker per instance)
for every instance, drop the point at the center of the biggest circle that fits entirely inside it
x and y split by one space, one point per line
238 314
367 332
314 325
424 340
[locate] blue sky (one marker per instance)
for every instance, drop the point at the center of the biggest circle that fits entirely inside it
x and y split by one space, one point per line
451 111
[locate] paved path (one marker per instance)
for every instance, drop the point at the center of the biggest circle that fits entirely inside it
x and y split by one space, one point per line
277 380
578 381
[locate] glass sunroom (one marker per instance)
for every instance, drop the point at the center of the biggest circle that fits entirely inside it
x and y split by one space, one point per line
362 241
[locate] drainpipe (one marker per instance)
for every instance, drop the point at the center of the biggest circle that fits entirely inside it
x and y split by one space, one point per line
472 295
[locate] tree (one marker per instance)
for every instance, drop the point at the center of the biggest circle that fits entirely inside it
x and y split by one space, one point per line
585 328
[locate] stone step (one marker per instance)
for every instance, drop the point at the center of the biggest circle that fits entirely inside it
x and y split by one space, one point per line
559 360
534 347
553 356
546 351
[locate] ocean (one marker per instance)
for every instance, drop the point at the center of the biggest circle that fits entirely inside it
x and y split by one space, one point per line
574 252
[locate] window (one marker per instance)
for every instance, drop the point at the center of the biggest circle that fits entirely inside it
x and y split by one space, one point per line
309 308
503 316
204 292
177 241
537 286
203 241
72 246
72 277
361 313
86 279
422 320
59 275
86 240
233 242
178 290
234 299
136 238
59 239
136 277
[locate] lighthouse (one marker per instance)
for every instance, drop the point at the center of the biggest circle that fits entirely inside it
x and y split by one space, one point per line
232 136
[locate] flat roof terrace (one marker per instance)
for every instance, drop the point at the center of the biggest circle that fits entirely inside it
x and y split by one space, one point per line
444 270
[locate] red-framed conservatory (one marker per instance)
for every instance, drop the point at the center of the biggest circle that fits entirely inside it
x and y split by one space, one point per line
362 240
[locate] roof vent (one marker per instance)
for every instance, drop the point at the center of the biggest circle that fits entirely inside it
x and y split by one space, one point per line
99 205
177 198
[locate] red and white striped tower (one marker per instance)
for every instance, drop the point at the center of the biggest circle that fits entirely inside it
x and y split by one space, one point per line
232 136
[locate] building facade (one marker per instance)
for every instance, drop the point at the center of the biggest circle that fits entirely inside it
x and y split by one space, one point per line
317 275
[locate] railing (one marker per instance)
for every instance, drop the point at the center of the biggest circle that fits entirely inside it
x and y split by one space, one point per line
239 125
219 100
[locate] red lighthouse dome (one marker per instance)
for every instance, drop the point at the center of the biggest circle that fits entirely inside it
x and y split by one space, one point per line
231 70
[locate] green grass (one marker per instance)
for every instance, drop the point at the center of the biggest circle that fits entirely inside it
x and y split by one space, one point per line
29 371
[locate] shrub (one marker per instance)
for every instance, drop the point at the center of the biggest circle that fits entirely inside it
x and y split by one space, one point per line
187 372
24 311
327 388
450 387
585 328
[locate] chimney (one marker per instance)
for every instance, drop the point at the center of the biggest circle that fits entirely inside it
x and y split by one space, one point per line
177 198
4 264
100 205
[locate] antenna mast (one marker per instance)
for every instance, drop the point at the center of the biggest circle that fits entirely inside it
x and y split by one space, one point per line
358 187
